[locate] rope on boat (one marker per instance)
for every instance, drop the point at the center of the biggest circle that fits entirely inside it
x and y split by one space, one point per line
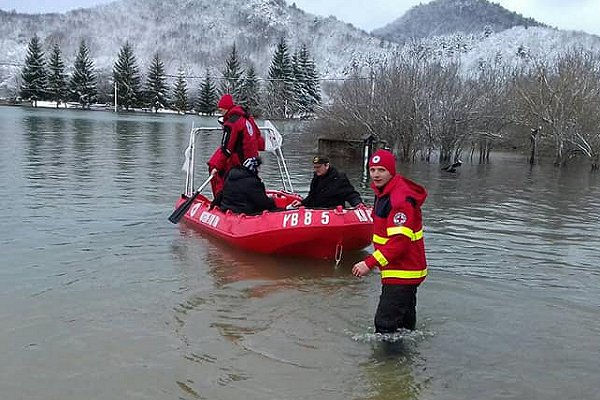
339 247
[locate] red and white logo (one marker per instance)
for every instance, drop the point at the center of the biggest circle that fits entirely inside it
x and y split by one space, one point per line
399 218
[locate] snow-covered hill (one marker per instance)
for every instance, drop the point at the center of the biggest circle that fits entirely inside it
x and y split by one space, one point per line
198 34
194 35
443 17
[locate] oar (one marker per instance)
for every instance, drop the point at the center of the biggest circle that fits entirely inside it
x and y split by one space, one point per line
182 209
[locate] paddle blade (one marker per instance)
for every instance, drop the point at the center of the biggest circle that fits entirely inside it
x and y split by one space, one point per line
176 216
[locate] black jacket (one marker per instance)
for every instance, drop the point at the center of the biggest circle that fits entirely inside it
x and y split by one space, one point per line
244 192
331 190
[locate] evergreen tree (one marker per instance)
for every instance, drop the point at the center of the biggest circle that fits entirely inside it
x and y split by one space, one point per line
207 98
250 92
83 80
34 73
57 80
281 85
308 94
297 105
127 78
156 84
180 93
232 75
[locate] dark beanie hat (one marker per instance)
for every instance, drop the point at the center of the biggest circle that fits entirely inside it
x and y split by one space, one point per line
385 159
226 102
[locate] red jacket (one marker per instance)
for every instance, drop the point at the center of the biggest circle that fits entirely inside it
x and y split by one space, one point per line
398 233
241 139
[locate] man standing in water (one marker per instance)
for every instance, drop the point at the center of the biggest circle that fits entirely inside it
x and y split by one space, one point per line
398 241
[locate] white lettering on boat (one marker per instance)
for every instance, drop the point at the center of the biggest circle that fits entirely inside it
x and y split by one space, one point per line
194 209
307 218
290 220
362 215
209 219
293 219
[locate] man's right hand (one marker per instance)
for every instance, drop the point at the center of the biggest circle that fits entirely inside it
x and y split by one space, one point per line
213 172
360 269
294 204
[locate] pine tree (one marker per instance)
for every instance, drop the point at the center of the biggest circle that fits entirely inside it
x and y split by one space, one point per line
83 80
180 93
34 73
232 75
127 78
298 104
309 94
281 84
156 84
250 92
57 80
207 97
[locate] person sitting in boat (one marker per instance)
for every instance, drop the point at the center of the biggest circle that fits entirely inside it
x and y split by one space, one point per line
241 140
329 187
243 191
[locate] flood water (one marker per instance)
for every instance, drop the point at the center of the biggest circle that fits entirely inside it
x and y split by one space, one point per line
102 298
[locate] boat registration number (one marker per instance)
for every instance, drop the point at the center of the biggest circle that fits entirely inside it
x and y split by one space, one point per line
317 218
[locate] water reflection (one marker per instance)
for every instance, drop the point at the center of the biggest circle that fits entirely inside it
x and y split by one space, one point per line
126 135
84 150
392 371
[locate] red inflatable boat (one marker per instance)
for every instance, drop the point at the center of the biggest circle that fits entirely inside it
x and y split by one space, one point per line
302 232
315 233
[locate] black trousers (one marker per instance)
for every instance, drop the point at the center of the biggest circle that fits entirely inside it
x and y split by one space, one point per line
396 309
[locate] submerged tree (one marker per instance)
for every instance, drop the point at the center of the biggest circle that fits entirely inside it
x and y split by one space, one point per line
57 80
127 78
156 84
83 80
34 73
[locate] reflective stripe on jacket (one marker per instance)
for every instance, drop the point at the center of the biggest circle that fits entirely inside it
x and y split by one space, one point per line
398 233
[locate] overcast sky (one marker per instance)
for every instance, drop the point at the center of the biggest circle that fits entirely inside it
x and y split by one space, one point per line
370 14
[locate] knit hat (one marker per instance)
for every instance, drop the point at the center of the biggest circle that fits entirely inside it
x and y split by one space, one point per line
385 159
226 102
252 163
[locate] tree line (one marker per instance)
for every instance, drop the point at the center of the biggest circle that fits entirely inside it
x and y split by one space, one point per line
429 108
292 82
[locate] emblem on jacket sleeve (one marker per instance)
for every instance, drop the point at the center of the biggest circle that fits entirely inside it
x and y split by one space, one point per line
249 128
399 218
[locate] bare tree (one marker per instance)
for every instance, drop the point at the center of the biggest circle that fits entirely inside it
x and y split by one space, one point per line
563 99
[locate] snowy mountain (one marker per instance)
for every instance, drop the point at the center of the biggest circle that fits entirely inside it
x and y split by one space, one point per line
193 34
443 17
199 34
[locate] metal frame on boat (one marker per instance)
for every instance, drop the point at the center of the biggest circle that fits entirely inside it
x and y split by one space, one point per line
303 232
273 142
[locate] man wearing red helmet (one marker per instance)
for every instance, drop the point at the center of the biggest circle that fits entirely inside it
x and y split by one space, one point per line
241 140
398 241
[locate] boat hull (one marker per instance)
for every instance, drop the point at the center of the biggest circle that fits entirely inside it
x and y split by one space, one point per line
303 232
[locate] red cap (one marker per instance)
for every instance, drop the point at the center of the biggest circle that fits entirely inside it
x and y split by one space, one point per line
226 102
385 159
